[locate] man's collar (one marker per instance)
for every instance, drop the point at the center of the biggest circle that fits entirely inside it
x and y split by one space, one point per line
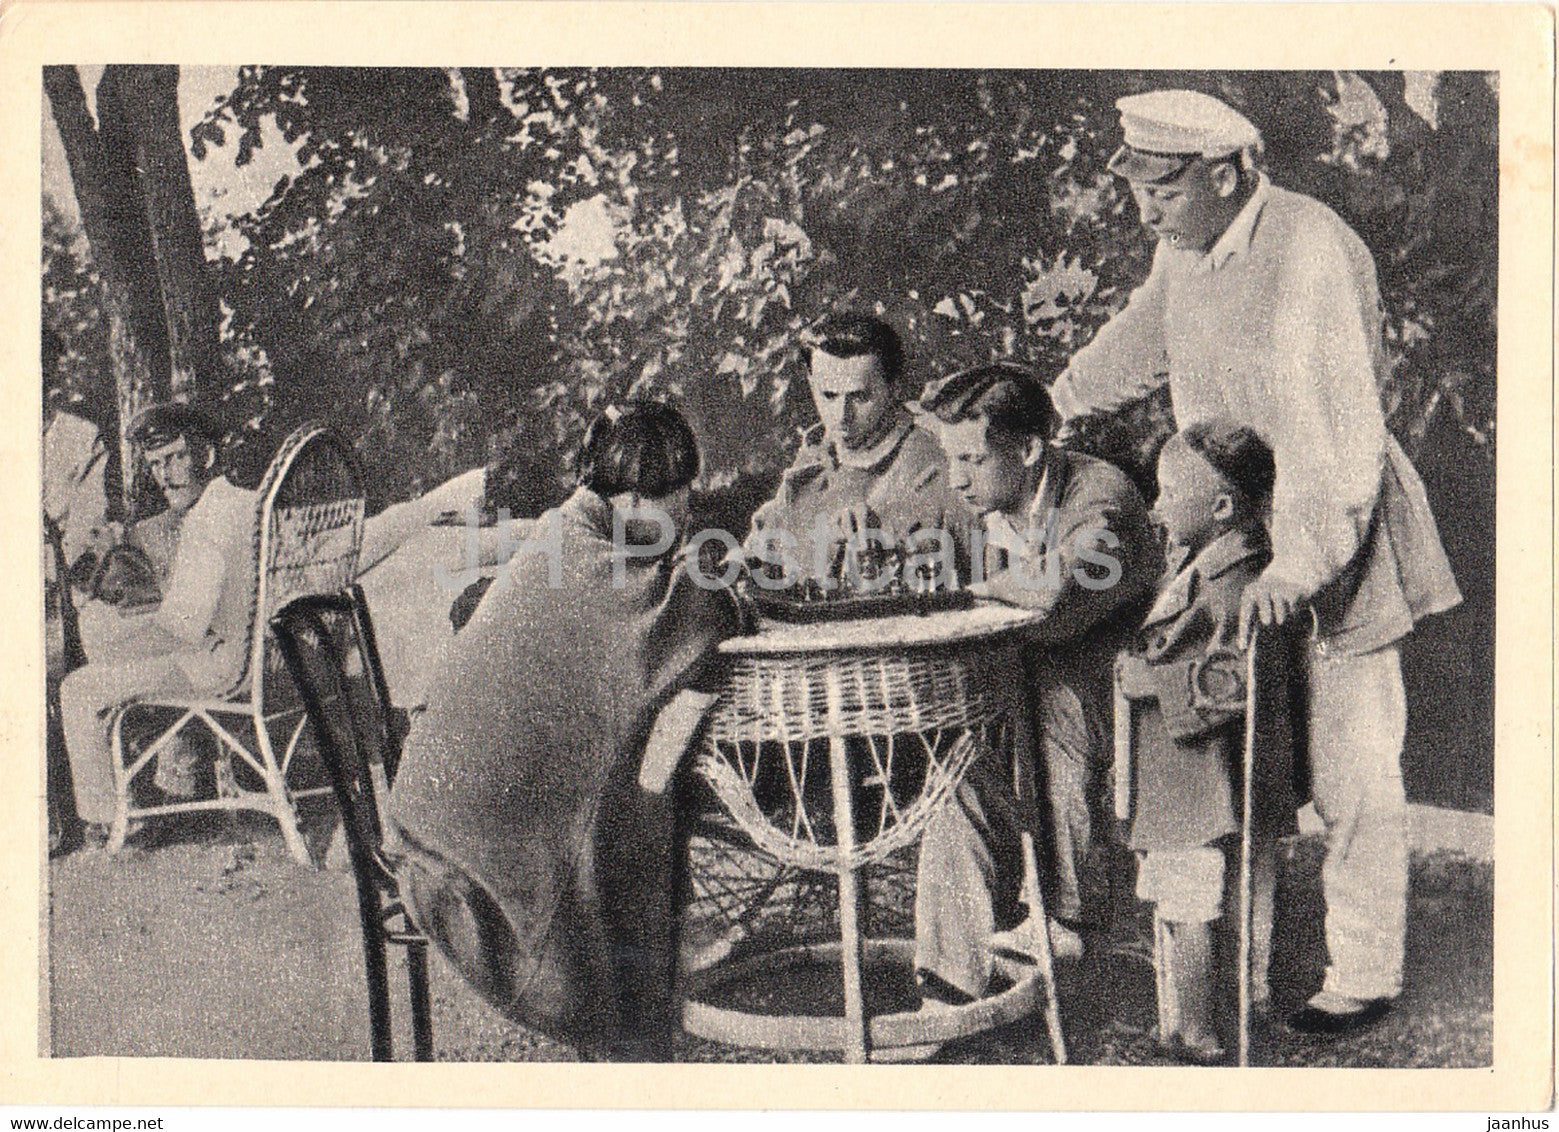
1186 572
871 458
1237 236
1052 483
1036 513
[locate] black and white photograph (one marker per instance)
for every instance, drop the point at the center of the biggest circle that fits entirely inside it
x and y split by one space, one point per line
792 564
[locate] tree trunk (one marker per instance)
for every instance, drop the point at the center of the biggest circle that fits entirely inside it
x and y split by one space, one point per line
132 185
151 95
485 99
110 216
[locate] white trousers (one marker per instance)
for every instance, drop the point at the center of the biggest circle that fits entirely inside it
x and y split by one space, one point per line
1358 717
88 698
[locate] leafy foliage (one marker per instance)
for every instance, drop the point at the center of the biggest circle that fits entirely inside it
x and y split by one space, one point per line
469 261
81 379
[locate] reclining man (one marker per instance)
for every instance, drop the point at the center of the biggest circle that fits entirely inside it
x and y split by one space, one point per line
192 641
178 449
1068 536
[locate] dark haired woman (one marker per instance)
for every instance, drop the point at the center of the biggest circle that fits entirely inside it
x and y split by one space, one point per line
532 858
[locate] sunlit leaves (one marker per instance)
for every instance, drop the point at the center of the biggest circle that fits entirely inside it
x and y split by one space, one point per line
465 257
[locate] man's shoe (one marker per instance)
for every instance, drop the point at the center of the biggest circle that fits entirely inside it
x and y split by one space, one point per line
1064 942
1331 1015
939 994
65 841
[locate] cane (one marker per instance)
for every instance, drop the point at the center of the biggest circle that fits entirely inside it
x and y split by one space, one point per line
1248 764
1125 735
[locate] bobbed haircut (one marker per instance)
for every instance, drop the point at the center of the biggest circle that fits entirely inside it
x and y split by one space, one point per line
645 447
849 335
1007 397
1237 454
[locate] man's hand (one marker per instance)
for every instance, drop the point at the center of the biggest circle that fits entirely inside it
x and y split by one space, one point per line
851 521
1269 600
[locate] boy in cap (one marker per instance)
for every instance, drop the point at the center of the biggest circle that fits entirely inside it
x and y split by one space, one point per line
1262 306
1068 536
1186 674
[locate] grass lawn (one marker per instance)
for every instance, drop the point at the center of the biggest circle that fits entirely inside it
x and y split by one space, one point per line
220 946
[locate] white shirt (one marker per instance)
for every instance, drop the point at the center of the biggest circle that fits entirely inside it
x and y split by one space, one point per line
1277 327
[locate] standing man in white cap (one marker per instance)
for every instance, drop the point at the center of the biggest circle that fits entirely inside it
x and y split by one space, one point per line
1262 306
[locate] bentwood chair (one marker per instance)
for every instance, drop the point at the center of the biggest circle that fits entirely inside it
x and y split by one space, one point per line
328 643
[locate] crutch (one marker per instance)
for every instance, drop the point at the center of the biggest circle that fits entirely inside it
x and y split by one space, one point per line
1248 766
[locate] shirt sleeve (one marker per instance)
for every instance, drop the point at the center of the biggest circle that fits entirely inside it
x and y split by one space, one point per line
1082 572
1127 358
397 524
195 585
1325 424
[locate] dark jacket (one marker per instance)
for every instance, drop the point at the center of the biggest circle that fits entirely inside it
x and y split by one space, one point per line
1085 515
1185 677
1080 504
533 860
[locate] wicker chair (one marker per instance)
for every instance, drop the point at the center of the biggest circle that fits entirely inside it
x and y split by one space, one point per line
328 643
307 534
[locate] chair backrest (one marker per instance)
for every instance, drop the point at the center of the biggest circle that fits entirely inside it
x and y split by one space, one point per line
308 532
327 642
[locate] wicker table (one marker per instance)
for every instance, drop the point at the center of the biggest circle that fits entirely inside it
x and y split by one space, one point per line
830 749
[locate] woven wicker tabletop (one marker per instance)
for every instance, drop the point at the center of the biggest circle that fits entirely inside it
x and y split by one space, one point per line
986 619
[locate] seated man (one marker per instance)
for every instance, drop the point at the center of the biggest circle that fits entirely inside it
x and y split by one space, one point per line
178 446
1068 536
193 641
865 465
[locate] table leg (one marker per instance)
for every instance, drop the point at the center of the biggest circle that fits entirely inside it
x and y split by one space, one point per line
857 1044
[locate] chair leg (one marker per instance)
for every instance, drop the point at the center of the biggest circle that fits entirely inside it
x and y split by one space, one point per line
121 824
281 801
381 1041
1163 978
421 1007
1047 970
